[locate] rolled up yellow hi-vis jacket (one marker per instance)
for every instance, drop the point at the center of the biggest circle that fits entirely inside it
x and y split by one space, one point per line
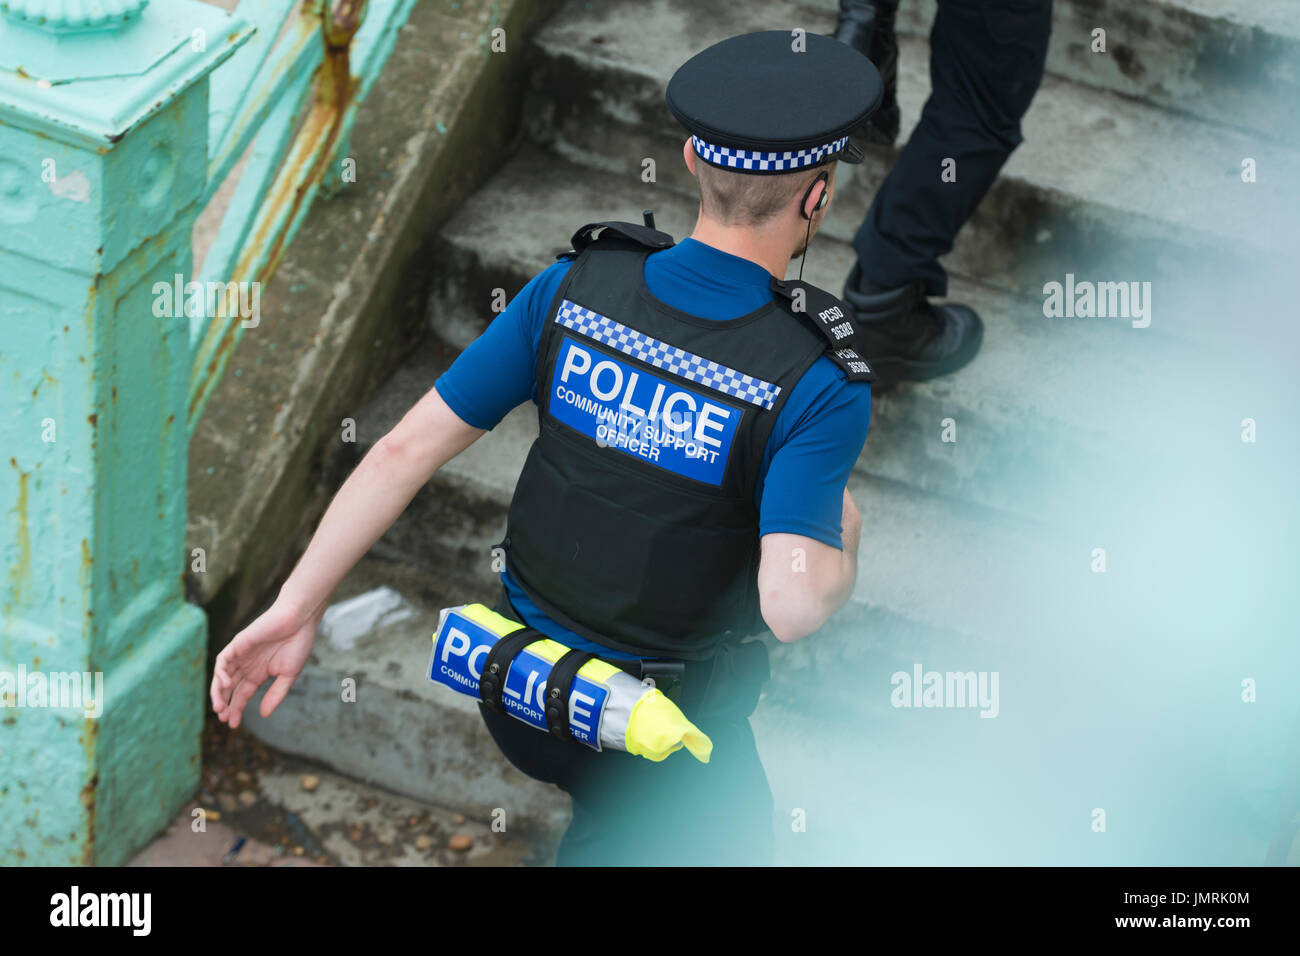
608 707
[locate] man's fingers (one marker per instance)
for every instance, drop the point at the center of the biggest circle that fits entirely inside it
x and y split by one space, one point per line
241 668
215 693
221 672
225 702
232 663
276 694
243 693
223 684
238 663
222 677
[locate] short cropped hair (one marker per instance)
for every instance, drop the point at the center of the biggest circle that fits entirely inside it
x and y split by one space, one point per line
748 199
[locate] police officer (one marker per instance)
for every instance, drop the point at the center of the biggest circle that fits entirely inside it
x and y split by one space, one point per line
699 416
986 62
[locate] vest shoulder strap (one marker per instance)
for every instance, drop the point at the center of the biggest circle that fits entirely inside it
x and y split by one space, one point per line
616 232
832 318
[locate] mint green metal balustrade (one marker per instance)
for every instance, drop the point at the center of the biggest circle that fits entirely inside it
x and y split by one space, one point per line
119 121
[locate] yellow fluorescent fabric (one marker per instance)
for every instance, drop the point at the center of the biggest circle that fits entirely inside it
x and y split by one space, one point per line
657 728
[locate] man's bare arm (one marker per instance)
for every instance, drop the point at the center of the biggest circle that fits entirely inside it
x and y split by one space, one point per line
375 495
802 581
279 642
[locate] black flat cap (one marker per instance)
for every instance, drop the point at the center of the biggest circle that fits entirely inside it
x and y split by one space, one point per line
754 104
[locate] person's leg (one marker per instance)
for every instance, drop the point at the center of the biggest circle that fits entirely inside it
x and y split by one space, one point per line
678 812
631 811
868 26
986 64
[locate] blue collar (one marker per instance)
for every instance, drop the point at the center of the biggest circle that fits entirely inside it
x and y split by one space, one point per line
716 265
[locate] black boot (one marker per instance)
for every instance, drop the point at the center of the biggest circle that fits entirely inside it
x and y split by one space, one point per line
907 338
868 27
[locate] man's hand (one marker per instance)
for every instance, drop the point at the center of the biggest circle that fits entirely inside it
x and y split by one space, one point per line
277 645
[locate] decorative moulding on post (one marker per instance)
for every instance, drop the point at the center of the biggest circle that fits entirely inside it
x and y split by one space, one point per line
90 70
72 16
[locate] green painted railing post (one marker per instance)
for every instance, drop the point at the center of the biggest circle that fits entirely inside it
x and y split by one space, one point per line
103 161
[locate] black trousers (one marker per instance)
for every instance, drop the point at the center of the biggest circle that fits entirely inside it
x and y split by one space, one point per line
986 62
631 811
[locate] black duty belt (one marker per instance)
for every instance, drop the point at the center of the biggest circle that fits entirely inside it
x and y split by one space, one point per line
669 676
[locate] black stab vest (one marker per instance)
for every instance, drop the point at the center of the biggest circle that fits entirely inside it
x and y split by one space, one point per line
633 522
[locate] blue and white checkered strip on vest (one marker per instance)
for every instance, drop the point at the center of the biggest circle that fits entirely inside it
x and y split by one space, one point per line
766 162
670 358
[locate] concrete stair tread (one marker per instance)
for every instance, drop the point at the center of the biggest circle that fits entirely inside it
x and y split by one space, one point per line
1281 17
1143 144
1219 60
1275 17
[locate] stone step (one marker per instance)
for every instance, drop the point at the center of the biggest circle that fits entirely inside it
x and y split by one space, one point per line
1221 60
1044 410
1168 200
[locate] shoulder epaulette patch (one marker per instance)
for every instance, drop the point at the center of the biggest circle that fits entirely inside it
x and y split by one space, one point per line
831 317
854 365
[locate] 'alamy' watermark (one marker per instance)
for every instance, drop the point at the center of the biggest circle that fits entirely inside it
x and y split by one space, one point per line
1100 300
946 689
209 300
57 690
130 910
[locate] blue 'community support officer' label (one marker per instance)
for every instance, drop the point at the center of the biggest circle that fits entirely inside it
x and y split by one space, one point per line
459 649
654 418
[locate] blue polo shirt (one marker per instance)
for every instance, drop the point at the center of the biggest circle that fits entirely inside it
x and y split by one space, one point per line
814 443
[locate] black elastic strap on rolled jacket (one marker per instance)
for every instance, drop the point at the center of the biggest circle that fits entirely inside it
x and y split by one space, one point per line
558 685
497 664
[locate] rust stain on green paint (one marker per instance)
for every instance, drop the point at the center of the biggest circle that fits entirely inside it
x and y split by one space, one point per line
83 573
22 568
302 169
90 791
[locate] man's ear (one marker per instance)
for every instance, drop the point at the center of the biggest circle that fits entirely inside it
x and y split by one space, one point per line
812 195
688 155
808 204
